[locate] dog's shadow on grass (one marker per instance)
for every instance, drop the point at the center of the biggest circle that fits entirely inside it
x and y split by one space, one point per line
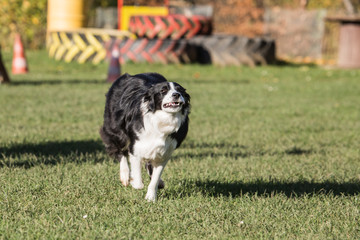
49 153
262 188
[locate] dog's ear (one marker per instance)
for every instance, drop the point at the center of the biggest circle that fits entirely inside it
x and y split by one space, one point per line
186 96
150 99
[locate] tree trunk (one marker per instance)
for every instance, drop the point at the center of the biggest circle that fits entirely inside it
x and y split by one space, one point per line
4 77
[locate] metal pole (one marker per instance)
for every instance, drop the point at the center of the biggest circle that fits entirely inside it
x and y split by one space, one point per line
120 5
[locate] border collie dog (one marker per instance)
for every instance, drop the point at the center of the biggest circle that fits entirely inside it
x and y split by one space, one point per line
145 120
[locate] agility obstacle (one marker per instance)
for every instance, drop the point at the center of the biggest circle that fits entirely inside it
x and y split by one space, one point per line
155 36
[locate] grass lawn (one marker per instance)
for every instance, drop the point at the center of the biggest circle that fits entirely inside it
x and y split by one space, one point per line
272 153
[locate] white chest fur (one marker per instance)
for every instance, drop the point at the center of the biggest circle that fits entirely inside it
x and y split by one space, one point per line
154 142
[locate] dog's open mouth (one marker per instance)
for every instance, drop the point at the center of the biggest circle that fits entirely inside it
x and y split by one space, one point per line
172 104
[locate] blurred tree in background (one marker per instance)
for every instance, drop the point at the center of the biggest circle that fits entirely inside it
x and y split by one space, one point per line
113 3
27 17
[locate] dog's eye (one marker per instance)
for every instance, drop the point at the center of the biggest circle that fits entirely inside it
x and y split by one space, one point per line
180 89
163 90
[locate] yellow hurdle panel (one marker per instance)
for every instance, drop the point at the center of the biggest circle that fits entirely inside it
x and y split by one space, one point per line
128 11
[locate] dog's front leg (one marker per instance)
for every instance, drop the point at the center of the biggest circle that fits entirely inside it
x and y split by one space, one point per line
149 169
124 171
136 179
154 183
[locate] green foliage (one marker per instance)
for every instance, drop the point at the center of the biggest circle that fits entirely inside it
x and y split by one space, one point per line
104 3
113 3
27 17
333 5
327 4
272 153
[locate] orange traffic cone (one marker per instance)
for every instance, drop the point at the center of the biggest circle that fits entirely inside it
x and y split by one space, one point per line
114 68
19 64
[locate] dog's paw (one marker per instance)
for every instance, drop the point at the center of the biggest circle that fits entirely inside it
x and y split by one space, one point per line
161 184
150 196
137 184
125 178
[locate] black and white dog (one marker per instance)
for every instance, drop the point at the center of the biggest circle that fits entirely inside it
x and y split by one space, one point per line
145 120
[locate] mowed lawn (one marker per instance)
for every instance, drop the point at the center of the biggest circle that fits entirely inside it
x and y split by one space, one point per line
272 153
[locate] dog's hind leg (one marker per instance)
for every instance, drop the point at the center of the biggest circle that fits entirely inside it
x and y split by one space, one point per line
136 179
154 183
124 171
149 170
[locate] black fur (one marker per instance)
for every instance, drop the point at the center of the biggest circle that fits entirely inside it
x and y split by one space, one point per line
123 116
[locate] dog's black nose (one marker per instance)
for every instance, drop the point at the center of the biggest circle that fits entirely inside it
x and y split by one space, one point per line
176 95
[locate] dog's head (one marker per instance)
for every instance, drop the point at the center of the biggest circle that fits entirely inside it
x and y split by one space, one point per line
169 97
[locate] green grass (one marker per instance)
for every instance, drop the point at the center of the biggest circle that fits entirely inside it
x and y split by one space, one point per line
272 153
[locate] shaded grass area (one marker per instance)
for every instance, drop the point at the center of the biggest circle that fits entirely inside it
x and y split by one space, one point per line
272 153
